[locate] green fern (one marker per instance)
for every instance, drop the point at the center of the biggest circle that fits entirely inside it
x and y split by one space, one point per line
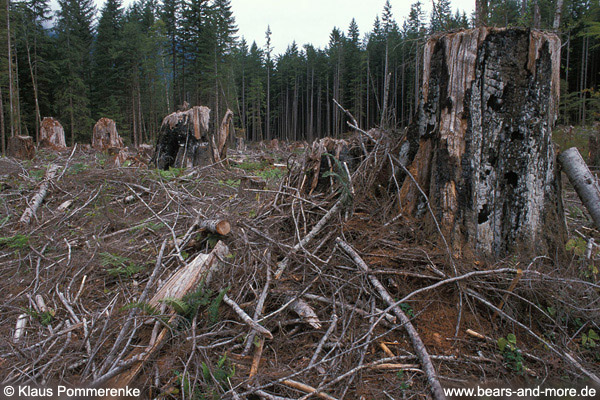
145 307
341 176
213 309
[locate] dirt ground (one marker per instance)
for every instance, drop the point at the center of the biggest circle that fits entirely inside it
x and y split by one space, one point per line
74 275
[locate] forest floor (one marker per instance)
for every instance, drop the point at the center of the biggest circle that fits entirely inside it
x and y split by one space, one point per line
74 275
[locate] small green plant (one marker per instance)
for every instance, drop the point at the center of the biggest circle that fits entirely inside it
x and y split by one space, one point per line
45 318
577 246
407 310
405 384
589 340
270 174
340 174
37 174
221 374
234 183
170 174
512 355
17 241
189 305
121 266
77 168
252 165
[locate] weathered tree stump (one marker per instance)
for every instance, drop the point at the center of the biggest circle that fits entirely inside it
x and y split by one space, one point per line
183 139
105 135
219 144
52 134
21 147
481 147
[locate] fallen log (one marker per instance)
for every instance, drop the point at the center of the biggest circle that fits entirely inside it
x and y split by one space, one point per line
182 282
36 201
219 226
583 181
417 343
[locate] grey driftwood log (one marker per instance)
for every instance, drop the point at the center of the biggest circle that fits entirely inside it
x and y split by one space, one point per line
583 181
480 147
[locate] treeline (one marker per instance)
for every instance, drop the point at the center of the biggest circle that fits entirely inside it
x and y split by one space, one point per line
138 64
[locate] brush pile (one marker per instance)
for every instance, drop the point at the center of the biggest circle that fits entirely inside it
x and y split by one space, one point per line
127 276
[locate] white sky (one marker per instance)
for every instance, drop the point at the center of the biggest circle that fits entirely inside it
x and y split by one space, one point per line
311 21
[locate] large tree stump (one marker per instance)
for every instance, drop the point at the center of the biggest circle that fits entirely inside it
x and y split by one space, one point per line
105 135
183 139
21 147
52 134
481 145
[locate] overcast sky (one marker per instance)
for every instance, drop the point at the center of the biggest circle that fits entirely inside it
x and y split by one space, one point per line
311 21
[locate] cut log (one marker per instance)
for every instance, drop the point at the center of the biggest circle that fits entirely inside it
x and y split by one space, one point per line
36 201
480 147
52 134
181 283
183 139
583 181
219 226
105 135
21 147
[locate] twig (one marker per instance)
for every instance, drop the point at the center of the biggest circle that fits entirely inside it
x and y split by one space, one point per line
306 389
246 318
334 320
310 236
420 350
567 357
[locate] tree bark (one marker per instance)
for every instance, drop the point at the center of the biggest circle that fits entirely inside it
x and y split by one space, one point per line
557 15
10 79
52 133
183 139
105 135
583 180
21 147
2 128
481 145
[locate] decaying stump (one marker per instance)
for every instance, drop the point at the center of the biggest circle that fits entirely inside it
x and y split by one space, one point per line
183 139
20 147
481 145
219 145
105 135
52 133
327 155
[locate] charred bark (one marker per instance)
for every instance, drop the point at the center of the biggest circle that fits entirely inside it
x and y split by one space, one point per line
481 144
183 139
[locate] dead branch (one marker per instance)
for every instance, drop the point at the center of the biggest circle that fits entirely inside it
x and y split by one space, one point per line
310 236
420 350
246 318
37 199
